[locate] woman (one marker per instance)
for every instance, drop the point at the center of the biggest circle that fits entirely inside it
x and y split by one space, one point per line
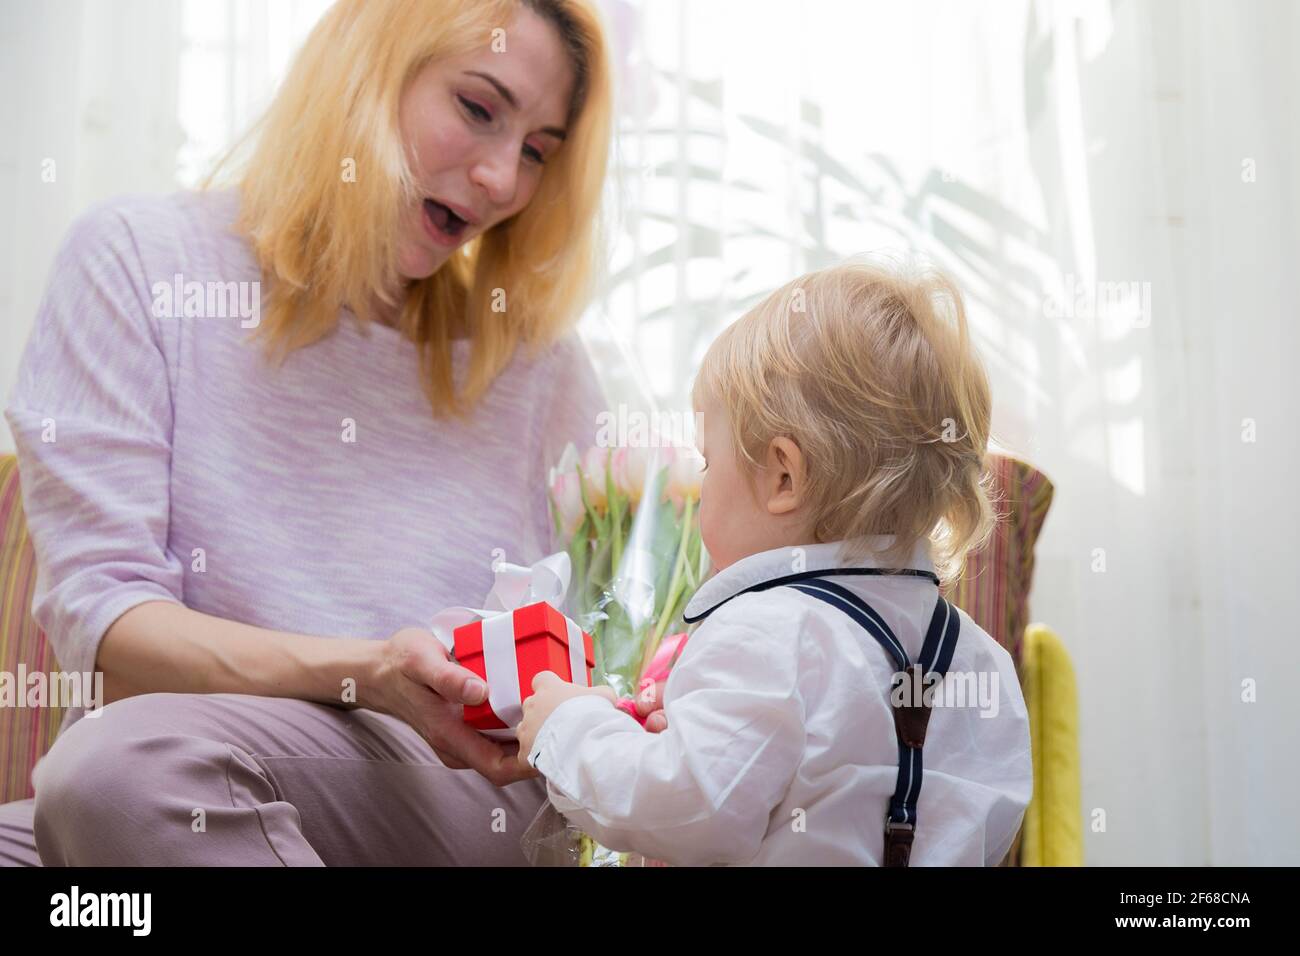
239 528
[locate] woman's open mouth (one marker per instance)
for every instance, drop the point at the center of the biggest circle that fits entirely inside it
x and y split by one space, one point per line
443 225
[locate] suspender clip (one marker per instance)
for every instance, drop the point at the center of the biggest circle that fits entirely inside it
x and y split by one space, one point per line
898 843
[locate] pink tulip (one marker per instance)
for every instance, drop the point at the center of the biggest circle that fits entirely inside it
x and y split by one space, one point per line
629 468
593 471
566 489
685 475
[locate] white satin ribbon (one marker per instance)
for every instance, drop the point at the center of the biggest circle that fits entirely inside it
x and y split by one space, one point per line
502 668
515 586
577 655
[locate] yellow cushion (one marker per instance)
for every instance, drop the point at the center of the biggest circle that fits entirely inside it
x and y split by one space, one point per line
1053 828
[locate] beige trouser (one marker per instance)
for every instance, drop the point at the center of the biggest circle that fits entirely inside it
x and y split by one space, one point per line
236 780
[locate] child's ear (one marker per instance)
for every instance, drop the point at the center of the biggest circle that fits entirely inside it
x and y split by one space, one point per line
786 476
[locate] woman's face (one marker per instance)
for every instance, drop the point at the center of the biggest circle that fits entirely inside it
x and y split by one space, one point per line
479 130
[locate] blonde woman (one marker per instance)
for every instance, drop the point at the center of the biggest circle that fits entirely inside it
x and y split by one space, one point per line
242 520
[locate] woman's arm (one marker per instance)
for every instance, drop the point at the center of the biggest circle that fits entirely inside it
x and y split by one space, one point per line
162 646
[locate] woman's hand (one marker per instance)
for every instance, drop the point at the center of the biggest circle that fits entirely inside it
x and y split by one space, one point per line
416 682
549 692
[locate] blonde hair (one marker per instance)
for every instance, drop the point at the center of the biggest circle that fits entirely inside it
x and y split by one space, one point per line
871 372
323 243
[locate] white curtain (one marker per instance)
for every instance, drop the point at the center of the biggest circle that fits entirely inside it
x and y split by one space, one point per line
1112 182
88 111
1114 186
105 97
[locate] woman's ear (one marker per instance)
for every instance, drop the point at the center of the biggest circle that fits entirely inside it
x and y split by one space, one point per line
786 476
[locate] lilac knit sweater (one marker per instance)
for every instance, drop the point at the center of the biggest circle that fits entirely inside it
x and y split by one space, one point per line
184 467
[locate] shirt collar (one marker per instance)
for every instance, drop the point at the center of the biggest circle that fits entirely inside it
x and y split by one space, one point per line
780 562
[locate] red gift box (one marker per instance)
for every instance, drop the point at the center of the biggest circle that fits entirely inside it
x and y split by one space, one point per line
541 637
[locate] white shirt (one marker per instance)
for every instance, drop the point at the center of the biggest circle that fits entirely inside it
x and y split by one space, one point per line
780 747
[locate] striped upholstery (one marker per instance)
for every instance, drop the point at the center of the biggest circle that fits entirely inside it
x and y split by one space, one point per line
994 586
25 733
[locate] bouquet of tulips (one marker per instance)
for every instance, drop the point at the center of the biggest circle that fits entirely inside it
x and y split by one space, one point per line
628 518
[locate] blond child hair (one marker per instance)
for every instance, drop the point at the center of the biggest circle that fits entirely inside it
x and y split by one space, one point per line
870 370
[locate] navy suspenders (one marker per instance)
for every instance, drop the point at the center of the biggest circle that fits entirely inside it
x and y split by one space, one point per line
911 717
814 576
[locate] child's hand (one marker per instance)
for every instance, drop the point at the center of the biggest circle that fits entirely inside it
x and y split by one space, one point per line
549 692
650 705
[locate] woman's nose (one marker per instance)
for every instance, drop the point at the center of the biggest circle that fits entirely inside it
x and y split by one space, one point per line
497 173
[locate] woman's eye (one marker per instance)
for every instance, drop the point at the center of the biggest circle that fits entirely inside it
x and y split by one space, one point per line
534 154
477 111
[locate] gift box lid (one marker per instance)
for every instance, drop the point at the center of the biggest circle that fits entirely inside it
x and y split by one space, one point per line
531 621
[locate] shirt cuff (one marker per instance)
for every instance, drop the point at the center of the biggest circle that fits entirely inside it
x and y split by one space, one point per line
563 729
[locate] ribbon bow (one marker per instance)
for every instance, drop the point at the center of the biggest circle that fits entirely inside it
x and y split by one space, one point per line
515 586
